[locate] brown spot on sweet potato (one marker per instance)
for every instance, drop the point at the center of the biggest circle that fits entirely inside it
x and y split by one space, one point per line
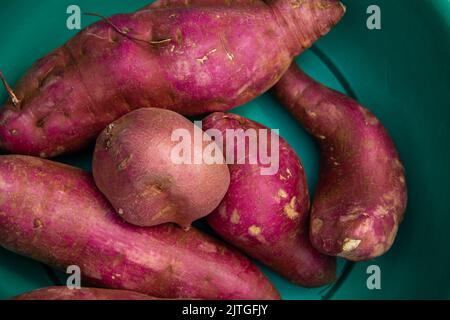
37 223
152 189
380 211
254 230
350 244
13 132
109 129
289 173
207 280
169 269
222 250
179 37
235 217
289 209
369 144
388 196
398 163
312 114
168 209
40 123
60 149
369 118
224 44
202 60
297 3
208 247
108 143
352 214
124 163
206 56
282 194
324 5
115 276
223 211
118 259
349 217
316 225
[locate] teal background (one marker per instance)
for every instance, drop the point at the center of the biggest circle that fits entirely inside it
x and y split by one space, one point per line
400 72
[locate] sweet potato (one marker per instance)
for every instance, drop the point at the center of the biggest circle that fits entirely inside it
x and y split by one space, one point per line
266 216
134 168
54 213
64 293
361 195
191 59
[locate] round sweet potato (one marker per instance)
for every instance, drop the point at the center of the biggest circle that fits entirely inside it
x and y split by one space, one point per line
135 168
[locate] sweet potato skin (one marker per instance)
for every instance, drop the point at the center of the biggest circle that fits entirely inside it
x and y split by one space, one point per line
266 216
133 167
54 213
361 196
201 58
64 293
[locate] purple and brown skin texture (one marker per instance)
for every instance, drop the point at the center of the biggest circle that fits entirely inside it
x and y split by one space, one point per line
192 59
361 196
267 216
134 168
64 293
55 214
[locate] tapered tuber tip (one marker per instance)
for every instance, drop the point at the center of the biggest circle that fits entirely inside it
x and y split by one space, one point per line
307 20
13 97
326 14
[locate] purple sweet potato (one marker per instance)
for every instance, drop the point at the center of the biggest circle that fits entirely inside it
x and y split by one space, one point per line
134 168
54 213
266 215
361 195
64 293
191 59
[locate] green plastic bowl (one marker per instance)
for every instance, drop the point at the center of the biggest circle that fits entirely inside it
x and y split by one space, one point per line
400 72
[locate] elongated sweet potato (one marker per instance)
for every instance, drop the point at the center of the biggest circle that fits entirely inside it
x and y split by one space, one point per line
266 215
135 169
64 293
361 195
191 59
54 213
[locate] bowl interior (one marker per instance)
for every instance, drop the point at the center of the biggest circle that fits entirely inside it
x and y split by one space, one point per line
401 73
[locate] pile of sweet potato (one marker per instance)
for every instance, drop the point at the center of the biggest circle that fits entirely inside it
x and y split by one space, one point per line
128 81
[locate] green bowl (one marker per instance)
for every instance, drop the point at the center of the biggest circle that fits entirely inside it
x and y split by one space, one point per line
400 72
